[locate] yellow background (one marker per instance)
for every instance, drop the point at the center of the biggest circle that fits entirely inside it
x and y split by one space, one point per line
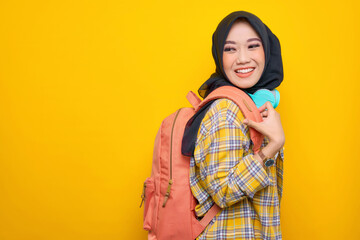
84 86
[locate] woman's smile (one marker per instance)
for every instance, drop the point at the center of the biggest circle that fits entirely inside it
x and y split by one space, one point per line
244 72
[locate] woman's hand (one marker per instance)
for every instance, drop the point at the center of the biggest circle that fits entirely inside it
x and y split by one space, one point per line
270 127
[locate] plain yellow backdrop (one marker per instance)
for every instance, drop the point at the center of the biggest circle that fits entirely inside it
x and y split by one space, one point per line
84 86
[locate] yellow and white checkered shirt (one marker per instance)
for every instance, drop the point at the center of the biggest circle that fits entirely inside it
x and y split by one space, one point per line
224 171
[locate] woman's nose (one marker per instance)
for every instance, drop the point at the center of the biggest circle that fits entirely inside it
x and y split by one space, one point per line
243 57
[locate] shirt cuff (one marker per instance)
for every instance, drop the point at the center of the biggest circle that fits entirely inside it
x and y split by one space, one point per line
251 176
280 153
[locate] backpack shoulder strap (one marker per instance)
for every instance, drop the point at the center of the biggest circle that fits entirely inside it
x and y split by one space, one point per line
193 99
246 105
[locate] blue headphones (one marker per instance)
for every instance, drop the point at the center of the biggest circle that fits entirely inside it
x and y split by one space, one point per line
261 96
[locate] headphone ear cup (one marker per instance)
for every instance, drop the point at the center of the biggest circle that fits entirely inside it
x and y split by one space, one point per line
276 96
261 96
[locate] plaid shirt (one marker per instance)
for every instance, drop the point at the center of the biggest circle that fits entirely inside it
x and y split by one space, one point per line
224 170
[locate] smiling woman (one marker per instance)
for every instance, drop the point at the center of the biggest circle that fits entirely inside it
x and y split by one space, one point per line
224 169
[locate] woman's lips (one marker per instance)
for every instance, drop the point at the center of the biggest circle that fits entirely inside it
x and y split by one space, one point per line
244 75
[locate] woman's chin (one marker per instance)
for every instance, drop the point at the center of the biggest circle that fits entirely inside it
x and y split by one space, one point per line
243 83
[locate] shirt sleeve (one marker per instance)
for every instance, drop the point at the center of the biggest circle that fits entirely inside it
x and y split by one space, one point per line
279 172
227 171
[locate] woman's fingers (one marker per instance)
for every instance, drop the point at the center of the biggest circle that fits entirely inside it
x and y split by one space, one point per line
262 108
269 106
270 126
266 107
251 123
264 113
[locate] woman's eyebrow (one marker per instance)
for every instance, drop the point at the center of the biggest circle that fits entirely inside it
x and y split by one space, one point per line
253 39
232 42
249 40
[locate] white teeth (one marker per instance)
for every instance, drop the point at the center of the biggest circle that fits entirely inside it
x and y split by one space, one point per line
244 70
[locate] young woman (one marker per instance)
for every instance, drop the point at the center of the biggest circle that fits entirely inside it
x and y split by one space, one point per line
224 170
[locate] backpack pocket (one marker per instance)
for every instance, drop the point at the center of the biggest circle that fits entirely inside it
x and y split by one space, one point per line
148 198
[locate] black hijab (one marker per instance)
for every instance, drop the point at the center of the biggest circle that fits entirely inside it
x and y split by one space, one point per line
271 76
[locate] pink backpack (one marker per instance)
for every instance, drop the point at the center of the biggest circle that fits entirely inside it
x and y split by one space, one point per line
169 211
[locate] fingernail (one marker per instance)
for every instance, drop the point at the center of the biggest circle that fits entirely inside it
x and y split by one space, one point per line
245 121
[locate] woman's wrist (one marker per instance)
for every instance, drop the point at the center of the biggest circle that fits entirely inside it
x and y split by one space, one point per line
271 149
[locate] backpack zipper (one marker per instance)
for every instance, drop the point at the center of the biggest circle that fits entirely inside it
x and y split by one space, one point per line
143 195
167 195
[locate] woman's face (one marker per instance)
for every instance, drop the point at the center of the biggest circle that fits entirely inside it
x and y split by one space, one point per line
243 56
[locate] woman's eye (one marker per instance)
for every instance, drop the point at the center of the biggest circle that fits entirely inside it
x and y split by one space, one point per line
227 49
254 46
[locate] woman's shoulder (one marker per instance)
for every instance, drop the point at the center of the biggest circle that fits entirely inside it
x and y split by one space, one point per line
222 113
224 110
